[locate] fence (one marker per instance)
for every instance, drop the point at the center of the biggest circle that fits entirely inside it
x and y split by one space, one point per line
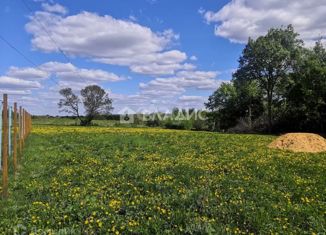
15 125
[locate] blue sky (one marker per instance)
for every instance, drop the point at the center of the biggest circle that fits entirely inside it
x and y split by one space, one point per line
148 54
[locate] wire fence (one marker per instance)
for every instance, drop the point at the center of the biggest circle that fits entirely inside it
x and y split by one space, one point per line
15 126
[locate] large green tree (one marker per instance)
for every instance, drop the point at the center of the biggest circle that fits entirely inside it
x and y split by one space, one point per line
233 101
269 60
306 94
96 102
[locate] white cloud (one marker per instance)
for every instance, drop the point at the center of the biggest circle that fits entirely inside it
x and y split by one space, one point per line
160 88
240 19
201 11
55 8
28 73
57 67
63 71
165 93
16 83
193 58
172 86
77 78
133 18
21 81
197 74
88 75
74 85
107 40
187 98
15 92
186 101
161 69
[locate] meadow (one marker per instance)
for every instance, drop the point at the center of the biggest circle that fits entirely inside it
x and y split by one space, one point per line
65 121
98 180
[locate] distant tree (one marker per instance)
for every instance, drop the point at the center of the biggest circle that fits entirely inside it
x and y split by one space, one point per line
268 60
95 100
223 106
69 103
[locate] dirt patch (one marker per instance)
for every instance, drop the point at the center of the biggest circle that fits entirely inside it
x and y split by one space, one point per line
300 142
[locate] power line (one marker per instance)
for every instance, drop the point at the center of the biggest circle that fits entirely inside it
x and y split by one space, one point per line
46 31
15 49
22 54
51 38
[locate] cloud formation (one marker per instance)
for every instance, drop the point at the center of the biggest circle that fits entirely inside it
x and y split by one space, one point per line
162 94
240 19
16 83
28 73
191 98
172 86
107 40
67 71
120 42
19 79
55 8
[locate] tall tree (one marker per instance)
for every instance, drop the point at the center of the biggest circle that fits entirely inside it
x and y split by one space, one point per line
268 60
95 100
69 103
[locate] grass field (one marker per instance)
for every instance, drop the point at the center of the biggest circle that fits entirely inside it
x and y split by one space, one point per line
97 180
55 121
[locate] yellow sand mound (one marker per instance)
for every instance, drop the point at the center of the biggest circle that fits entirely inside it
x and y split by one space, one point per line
300 142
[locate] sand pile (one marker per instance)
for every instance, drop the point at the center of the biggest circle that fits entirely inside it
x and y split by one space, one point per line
300 142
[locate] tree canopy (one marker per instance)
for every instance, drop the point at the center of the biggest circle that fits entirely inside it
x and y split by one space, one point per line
279 84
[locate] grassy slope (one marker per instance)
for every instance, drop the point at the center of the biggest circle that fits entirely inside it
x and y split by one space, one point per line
153 181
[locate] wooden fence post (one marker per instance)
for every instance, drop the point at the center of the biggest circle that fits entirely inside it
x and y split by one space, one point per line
29 123
9 131
5 147
24 126
20 131
15 139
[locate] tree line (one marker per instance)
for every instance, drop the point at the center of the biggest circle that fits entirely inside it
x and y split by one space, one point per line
279 85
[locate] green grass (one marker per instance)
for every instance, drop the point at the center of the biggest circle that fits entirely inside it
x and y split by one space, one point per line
95 180
70 121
